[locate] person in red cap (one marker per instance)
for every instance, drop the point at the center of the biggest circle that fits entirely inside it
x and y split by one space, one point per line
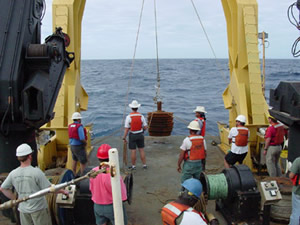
101 190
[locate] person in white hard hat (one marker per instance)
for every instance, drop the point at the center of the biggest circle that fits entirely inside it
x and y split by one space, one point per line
135 125
28 180
193 150
77 140
200 118
238 138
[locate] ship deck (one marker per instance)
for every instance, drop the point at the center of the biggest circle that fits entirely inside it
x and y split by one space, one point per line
160 183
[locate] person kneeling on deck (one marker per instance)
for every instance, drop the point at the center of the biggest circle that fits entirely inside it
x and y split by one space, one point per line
181 211
101 190
77 138
135 124
238 138
193 150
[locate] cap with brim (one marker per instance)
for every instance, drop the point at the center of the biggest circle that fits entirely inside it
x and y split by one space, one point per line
134 104
200 109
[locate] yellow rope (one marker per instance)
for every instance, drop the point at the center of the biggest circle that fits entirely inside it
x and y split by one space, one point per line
200 206
51 199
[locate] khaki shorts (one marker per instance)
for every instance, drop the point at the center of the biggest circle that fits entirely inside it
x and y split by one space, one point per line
41 217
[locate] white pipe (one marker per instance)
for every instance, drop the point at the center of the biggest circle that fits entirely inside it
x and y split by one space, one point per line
116 187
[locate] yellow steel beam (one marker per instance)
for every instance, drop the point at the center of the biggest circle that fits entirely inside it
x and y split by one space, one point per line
72 97
244 93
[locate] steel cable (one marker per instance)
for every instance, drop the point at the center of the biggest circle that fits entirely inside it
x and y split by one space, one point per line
132 64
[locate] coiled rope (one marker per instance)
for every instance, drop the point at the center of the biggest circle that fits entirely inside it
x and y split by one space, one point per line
218 187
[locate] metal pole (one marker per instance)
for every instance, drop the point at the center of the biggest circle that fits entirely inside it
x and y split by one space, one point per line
116 186
51 189
264 71
263 36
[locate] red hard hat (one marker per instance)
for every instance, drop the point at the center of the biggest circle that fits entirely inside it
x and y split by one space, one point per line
102 152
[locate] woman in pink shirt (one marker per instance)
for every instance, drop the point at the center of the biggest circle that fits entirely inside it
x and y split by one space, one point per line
100 188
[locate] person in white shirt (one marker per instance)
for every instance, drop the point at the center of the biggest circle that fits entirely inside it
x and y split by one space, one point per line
135 125
192 152
238 138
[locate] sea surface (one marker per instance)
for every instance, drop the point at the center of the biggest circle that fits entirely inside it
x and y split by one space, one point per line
184 84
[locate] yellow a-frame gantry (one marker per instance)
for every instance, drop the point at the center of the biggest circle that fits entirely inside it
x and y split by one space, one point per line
66 14
244 93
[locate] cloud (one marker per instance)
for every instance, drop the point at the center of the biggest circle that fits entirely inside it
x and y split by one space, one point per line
109 29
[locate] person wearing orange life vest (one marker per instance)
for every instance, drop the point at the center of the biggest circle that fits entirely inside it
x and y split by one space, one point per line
135 125
274 138
193 150
77 140
181 211
294 175
238 138
200 118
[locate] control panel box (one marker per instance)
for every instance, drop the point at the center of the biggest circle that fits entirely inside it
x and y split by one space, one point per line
269 192
64 201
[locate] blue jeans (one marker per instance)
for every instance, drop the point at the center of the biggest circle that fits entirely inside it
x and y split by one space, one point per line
295 216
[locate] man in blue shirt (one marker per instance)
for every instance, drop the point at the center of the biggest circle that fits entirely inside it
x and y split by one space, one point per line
77 137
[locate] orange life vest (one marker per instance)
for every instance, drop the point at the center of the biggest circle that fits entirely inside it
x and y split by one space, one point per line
202 131
173 210
136 121
241 139
197 151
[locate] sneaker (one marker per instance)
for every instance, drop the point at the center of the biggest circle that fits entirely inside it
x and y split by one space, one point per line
145 167
132 168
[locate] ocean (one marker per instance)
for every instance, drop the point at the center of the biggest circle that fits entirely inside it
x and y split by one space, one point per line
185 83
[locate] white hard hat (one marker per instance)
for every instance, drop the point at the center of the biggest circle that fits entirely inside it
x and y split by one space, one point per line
194 125
23 149
134 104
241 118
200 109
76 116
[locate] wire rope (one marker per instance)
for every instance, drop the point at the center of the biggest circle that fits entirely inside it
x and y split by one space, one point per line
132 64
157 97
209 42
157 94
181 120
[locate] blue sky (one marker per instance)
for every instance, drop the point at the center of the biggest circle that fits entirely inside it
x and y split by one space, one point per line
109 29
